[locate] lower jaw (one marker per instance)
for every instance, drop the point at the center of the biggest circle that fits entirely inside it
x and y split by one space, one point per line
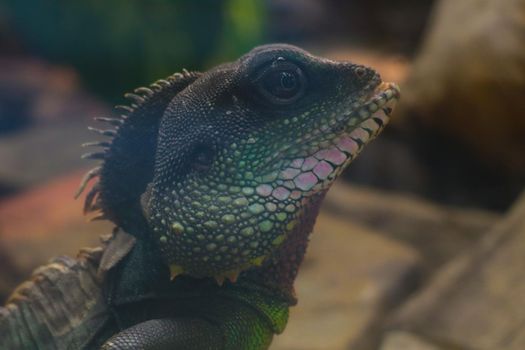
318 171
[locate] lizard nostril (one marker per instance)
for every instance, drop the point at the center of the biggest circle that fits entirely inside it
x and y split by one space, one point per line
360 72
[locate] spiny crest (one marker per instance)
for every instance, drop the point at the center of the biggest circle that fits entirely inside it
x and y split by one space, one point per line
139 97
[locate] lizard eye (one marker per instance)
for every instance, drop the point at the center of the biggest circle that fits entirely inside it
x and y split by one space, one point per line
281 82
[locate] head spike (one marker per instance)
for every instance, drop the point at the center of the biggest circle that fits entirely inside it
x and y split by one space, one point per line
94 155
96 144
112 121
145 91
163 82
124 108
134 97
107 132
156 87
100 216
90 198
97 204
87 177
136 120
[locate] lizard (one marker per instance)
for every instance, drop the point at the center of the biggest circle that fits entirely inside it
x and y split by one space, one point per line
213 181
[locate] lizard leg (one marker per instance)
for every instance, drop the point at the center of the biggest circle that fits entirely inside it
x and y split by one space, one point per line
168 333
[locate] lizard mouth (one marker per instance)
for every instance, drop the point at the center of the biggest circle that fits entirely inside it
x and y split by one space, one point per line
375 109
352 130
270 210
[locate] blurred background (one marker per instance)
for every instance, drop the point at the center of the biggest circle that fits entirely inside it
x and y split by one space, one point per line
422 245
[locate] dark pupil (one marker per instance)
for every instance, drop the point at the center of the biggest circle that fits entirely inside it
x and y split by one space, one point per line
282 84
288 81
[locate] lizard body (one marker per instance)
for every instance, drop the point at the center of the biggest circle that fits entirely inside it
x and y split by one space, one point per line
214 181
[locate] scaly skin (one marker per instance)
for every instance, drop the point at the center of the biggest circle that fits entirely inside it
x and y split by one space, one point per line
215 180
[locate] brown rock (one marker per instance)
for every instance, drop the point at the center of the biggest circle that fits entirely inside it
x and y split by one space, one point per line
45 222
476 301
469 78
351 275
407 341
438 232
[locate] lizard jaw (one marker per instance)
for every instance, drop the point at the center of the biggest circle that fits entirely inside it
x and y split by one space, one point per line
291 188
317 171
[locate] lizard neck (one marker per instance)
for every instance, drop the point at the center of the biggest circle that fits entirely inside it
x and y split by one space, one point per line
279 273
144 270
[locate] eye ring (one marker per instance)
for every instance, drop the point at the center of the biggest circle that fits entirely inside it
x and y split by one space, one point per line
281 82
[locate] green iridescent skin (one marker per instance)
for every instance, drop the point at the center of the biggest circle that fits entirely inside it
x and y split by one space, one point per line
217 178
266 160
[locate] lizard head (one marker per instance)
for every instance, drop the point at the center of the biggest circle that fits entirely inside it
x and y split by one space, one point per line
243 148
240 151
